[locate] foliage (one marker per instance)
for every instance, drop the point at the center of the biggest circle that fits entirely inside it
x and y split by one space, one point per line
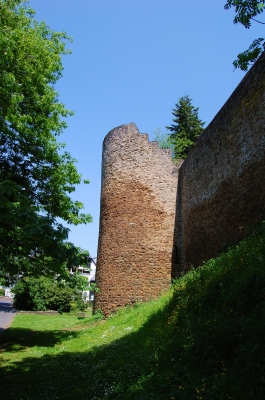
36 175
2 281
2 292
78 302
246 10
186 127
93 286
41 294
204 339
75 256
163 139
78 281
94 319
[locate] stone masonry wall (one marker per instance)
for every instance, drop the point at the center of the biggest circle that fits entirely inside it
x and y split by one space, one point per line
138 200
221 193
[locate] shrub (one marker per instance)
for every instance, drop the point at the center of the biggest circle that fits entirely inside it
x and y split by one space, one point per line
2 292
61 298
41 294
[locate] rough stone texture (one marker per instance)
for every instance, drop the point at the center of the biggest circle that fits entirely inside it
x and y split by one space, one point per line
138 200
221 193
220 198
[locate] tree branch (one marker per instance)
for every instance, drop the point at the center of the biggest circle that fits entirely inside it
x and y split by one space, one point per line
263 23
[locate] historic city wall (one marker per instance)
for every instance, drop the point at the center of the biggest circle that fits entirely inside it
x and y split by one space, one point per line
138 201
221 192
214 199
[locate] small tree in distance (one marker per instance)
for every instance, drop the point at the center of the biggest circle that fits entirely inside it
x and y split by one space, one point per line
186 127
163 139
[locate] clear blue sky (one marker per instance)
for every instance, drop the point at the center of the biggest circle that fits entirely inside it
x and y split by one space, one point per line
131 61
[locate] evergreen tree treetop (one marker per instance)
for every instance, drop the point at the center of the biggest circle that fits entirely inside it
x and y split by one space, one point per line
186 127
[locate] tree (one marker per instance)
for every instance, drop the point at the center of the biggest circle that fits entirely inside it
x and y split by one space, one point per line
36 175
163 139
246 10
186 128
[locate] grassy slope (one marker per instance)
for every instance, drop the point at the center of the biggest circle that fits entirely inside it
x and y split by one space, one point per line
204 339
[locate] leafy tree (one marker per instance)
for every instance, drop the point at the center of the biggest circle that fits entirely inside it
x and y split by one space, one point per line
163 139
186 127
81 283
36 175
78 281
246 11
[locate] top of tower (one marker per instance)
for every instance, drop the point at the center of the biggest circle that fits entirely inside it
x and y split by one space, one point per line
123 129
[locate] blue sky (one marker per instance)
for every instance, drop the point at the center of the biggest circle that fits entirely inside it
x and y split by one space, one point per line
131 61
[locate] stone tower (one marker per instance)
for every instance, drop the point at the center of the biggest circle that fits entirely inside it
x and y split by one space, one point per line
137 217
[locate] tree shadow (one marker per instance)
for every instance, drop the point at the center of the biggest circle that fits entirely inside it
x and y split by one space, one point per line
7 307
155 362
14 339
116 370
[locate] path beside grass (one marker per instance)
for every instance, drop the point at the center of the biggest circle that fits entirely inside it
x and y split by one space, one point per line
7 313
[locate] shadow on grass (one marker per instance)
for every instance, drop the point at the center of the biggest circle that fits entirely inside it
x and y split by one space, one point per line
7 307
14 339
146 364
116 370
206 343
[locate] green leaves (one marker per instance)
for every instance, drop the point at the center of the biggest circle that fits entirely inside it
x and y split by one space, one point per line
246 10
78 281
36 177
251 55
41 294
163 139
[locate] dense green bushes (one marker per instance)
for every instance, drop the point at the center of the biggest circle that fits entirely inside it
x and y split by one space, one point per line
41 294
2 292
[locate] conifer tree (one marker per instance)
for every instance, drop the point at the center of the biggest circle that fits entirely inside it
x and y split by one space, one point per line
186 127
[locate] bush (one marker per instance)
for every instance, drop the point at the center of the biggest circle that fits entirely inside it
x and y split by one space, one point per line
61 298
41 294
2 292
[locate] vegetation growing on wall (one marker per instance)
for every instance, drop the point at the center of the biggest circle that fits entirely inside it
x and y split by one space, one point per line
163 139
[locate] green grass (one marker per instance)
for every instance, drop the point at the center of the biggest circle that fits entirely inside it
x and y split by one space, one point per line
204 339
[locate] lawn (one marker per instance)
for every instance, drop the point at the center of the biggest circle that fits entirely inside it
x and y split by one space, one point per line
203 339
63 356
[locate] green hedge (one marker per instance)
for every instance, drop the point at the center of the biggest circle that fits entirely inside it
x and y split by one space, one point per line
41 294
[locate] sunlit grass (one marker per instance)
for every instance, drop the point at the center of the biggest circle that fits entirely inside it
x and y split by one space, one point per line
204 339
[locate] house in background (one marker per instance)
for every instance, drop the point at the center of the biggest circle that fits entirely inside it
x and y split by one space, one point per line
8 293
90 273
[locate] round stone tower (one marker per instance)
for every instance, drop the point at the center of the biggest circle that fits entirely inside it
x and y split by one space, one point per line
137 217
